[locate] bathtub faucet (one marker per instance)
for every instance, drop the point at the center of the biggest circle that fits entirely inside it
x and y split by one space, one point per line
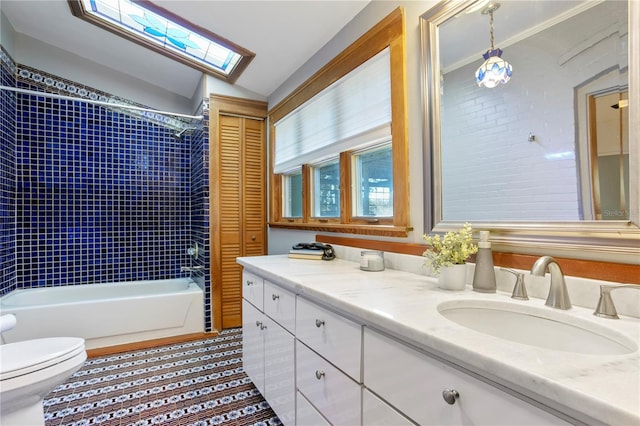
191 268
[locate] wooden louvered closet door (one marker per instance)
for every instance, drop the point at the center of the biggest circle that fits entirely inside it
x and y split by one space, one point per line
238 199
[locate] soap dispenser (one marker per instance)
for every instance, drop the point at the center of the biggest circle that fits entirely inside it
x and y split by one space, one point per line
484 276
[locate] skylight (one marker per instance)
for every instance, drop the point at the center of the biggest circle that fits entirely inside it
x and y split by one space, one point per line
166 33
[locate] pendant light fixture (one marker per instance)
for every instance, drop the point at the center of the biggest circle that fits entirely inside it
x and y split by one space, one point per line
494 70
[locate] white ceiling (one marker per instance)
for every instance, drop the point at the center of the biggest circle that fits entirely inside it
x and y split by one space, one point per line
465 37
282 34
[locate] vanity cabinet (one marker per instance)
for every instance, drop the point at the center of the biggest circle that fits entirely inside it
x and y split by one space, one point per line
328 362
253 344
280 305
332 336
334 394
253 289
268 346
429 391
306 414
317 367
376 412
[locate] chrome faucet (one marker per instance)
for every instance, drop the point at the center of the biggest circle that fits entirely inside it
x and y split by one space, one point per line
606 308
558 295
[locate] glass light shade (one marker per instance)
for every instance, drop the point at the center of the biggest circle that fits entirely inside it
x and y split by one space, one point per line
494 70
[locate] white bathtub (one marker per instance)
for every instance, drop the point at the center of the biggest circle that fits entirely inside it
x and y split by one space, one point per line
106 314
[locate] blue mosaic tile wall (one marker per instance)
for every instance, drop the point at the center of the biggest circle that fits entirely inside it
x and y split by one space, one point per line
200 208
90 195
101 196
7 176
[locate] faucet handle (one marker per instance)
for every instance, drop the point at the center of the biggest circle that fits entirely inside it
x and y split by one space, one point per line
606 307
519 289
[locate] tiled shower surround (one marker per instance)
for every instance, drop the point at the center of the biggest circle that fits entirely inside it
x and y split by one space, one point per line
7 176
94 195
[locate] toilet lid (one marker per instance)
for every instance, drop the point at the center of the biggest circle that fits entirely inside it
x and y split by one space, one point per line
27 356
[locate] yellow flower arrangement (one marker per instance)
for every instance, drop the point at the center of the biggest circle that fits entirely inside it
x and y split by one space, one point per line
452 249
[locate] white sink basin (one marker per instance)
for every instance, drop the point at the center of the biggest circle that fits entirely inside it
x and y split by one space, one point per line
542 327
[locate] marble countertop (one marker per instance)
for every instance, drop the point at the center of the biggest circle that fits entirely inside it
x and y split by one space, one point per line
589 388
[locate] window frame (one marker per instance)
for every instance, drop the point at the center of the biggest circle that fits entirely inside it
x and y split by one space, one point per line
78 10
313 168
355 196
285 187
388 33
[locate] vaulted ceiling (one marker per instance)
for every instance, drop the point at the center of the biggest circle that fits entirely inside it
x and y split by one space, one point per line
282 34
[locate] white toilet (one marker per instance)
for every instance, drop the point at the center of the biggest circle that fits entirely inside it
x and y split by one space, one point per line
29 370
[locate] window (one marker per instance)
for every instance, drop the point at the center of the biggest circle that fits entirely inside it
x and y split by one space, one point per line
326 189
292 194
166 33
345 131
373 183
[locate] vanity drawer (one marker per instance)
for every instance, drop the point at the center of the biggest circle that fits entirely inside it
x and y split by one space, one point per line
414 383
376 412
333 393
336 338
252 289
306 414
280 305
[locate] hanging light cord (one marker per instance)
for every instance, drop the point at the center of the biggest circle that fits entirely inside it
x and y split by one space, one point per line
491 28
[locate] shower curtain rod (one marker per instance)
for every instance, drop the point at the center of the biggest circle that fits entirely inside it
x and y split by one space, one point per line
91 101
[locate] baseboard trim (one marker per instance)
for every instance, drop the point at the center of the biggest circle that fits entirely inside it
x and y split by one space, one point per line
110 350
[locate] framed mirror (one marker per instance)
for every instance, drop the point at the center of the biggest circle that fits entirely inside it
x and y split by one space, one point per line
548 162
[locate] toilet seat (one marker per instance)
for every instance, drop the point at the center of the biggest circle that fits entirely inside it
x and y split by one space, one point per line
27 356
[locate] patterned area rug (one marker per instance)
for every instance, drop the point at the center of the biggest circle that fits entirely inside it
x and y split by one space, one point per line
194 383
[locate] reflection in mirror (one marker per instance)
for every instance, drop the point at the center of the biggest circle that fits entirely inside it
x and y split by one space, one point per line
512 152
544 159
608 156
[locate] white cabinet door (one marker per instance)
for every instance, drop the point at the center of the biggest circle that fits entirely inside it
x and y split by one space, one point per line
280 305
252 289
376 412
333 393
253 344
279 369
414 383
306 414
336 338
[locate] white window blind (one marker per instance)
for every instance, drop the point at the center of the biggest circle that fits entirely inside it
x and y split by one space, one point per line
352 113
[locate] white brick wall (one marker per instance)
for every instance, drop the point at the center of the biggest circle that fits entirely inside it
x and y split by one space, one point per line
490 171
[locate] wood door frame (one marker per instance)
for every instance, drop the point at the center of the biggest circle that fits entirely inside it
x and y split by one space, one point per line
221 105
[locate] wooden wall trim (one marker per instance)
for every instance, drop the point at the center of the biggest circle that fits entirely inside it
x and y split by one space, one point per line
597 270
135 346
368 45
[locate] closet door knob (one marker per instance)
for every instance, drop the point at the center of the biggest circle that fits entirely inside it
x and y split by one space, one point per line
319 323
450 396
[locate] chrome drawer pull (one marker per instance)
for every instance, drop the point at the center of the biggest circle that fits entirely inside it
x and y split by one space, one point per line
319 374
258 324
450 396
262 326
275 297
319 323
249 283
